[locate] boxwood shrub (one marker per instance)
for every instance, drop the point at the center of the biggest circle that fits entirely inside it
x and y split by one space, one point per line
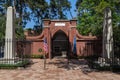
14 66
34 56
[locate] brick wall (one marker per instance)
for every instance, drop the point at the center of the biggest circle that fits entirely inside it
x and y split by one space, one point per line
85 45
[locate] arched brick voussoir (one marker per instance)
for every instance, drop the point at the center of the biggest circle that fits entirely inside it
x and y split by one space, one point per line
40 37
59 29
79 36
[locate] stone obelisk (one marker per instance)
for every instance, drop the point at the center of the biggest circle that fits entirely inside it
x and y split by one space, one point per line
10 34
107 35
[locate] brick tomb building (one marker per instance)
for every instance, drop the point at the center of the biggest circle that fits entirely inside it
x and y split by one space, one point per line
60 35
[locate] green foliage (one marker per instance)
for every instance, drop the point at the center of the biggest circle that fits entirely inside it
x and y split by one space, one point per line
90 17
19 30
87 18
2 26
19 21
40 9
93 57
59 8
37 30
39 12
116 31
116 34
14 66
100 8
40 50
37 56
20 33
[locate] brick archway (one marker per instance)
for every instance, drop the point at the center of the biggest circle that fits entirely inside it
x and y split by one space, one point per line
54 31
59 43
68 28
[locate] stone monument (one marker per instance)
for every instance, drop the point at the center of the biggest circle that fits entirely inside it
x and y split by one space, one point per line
10 35
107 35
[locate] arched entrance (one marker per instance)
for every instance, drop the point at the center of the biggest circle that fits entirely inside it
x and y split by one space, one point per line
60 44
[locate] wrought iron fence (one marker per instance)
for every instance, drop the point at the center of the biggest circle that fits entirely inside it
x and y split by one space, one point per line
1 48
94 49
12 53
117 50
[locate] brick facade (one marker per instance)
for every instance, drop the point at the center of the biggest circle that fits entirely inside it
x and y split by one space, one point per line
68 27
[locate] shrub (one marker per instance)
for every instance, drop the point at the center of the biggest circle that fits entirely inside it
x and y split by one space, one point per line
37 56
34 56
14 66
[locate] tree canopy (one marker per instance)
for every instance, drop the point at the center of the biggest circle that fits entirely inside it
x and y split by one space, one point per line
59 9
38 10
2 26
91 13
19 21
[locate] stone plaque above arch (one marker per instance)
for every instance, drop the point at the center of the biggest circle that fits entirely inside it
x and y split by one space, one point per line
59 24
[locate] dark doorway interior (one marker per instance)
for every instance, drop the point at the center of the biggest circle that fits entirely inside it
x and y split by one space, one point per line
59 44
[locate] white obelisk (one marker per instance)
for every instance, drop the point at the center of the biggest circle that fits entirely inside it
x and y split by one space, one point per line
10 34
108 51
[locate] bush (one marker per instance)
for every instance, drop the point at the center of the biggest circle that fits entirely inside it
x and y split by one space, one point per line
37 56
81 57
88 57
14 66
34 56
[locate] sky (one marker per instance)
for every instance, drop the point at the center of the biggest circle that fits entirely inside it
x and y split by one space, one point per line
31 23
